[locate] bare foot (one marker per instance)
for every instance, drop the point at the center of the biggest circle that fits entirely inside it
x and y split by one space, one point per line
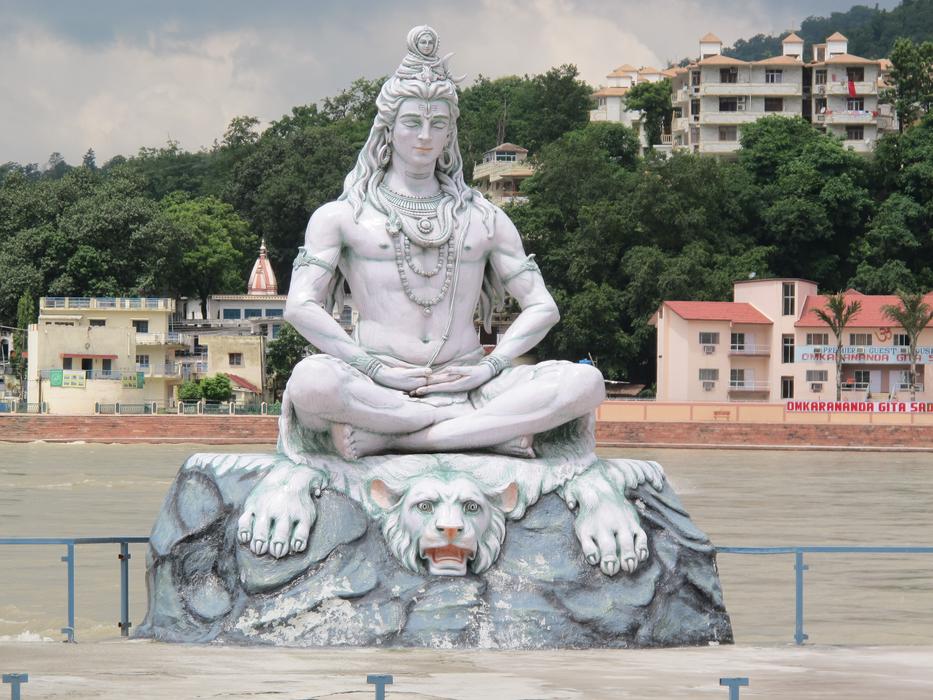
352 443
517 447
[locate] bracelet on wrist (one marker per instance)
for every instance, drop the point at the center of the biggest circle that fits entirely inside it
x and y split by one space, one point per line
366 364
497 363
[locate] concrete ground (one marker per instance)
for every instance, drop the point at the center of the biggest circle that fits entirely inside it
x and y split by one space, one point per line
111 670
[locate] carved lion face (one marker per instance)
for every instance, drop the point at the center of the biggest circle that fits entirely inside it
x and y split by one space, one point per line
449 524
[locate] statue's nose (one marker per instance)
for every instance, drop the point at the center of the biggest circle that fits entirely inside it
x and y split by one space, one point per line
450 531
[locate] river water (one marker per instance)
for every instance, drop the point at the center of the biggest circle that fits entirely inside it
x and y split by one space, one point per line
739 497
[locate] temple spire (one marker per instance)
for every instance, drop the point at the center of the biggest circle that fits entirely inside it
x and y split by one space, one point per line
262 278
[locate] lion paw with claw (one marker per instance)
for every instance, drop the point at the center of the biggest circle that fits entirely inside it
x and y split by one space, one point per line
279 512
606 523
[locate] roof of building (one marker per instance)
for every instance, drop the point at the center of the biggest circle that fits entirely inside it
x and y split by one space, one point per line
710 38
244 384
871 315
262 278
773 279
648 70
672 72
780 61
720 60
836 37
885 64
622 71
611 92
734 311
792 38
848 59
508 148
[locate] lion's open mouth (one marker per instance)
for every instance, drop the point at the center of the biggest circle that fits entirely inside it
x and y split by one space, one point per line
448 553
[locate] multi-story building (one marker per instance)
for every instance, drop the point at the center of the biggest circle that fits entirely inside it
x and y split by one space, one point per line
769 345
716 95
610 99
500 175
102 350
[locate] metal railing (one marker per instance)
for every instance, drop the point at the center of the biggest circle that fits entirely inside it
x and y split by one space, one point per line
800 567
124 556
749 349
748 385
106 303
69 558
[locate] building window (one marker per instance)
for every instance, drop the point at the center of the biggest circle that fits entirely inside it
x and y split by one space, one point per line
728 133
774 75
855 133
787 349
276 329
859 338
346 316
737 342
817 375
862 379
820 77
694 106
106 364
728 104
855 75
695 78
787 387
819 105
235 359
97 322
855 104
901 340
252 313
707 338
817 338
231 314
789 295
728 75
66 362
142 360
709 375
274 313
774 104
601 102
737 377
141 326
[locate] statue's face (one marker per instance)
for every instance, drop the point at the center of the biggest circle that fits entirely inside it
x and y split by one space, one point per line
426 44
421 131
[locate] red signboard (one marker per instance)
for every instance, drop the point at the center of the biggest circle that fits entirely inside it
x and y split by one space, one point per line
859 406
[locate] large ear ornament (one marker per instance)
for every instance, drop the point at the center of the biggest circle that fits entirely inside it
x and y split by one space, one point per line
507 498
382 495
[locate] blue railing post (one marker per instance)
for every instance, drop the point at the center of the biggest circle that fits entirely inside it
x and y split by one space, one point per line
380 681
69 559
734 684
14 680
124 557
799 568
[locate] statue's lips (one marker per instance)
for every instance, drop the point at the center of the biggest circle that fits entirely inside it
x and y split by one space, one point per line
450 552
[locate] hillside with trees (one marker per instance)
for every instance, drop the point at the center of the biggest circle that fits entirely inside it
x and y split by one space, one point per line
871 31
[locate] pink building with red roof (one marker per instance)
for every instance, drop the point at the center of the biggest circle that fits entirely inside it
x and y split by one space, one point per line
769 345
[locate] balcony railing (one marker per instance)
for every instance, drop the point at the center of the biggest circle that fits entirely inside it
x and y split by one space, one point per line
846 117
105 303
738 89
841 87
737 117
162 339
749 349
748 385
169 369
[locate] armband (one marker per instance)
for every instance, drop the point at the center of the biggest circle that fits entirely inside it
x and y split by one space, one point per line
305 258
528 265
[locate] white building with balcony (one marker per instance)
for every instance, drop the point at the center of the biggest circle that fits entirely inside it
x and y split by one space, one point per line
500 175
610 99
87 351
716 95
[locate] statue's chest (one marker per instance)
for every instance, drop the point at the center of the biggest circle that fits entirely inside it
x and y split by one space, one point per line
369 240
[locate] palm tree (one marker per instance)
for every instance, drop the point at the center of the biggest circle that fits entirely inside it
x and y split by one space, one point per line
837 314
913 315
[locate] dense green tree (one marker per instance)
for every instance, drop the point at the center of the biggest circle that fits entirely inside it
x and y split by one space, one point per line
653 100
283 353
912 314
190 391
217 388
911 77
837 313
199 246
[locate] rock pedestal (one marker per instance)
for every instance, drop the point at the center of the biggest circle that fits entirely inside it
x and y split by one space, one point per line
347 588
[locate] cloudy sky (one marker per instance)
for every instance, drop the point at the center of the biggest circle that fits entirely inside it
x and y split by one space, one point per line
115 75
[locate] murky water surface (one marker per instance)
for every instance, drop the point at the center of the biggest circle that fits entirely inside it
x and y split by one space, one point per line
750 498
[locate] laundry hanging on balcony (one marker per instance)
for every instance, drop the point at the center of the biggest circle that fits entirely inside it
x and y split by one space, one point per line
851 88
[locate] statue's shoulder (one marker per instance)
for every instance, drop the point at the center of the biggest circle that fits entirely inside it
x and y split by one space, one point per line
339 209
